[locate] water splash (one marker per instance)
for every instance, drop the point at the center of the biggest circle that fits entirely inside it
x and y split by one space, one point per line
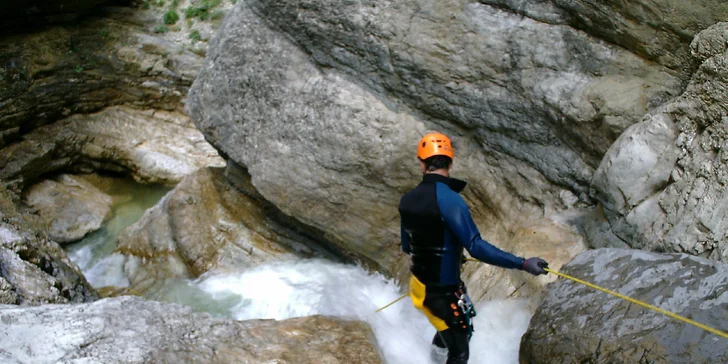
309 287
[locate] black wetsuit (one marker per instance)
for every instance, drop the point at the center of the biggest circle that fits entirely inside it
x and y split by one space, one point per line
436 226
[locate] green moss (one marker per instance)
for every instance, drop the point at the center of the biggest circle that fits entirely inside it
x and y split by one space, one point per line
234 1
104 33
171 17
195 35
201 10
161 29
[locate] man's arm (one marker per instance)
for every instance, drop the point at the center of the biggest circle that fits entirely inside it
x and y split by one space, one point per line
406 239
456 215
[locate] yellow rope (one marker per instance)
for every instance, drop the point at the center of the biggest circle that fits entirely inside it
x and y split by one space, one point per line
638 302
393 302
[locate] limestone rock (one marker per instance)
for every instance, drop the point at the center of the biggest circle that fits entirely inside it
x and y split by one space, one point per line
659 30
323 103
70 206
132 330
152 146
662 184
204 224
577 324
35 270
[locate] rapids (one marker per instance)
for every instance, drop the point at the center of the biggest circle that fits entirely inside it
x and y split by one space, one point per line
280 290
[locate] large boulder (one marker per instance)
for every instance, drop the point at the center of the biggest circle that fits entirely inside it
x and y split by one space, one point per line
576 324
662 184
132 330
205 224
71 207
323 102
35 270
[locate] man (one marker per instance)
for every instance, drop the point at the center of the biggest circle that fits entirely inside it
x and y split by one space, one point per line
436 226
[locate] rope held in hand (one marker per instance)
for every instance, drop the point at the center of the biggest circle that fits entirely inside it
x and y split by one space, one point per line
629 299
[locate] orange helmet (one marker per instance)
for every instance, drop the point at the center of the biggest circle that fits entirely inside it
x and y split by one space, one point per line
434 144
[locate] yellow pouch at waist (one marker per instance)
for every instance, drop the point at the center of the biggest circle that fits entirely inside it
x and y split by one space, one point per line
417 293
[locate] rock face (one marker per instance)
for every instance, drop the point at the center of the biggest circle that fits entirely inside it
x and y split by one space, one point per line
31 13
34 269
662 184
577 324
324 102
71 206
658 30
201 225
103 332
152 146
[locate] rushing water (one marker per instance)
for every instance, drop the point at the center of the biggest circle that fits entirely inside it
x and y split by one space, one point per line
93 253
281 290
308 287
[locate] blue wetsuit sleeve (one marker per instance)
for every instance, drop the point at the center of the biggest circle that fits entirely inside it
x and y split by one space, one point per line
406 239
456 215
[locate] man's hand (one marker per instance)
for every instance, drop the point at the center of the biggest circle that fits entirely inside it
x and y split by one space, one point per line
534 266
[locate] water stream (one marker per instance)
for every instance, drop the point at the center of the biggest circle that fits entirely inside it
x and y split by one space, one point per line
281 290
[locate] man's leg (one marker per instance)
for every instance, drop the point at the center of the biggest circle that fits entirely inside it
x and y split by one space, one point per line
455 337
457 345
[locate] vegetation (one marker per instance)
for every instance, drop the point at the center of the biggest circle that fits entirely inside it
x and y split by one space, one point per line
171 17
201 10
161 29
195 35
234 1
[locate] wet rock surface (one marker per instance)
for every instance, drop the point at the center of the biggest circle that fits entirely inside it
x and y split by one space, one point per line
70 206
662 183
205 224
132 330
575 323
34 269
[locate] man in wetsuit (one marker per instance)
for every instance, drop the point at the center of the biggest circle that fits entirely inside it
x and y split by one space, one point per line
436 226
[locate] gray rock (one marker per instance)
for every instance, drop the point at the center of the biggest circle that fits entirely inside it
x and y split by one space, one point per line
34 269
132 330
72 207
204 224
662 184
658 30
576 324
323 103
152 146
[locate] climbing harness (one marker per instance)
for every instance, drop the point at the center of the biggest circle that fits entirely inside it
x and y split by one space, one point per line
467 307
629 299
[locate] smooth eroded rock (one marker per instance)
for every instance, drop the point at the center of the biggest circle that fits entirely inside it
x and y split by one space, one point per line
576 324
131 330
71 206
152 146
205 224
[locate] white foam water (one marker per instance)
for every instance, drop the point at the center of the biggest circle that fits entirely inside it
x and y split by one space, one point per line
309 287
